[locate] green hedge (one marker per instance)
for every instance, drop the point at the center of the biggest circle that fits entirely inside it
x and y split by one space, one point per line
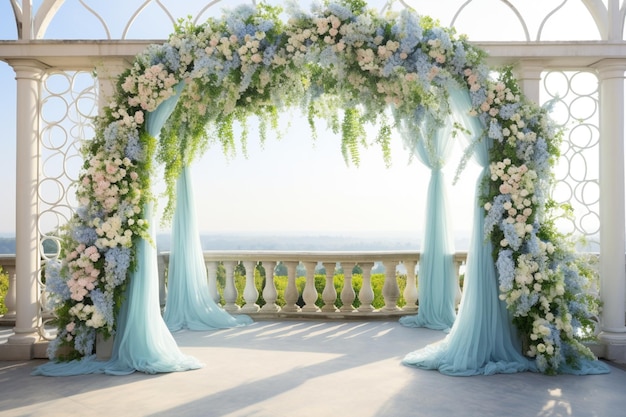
4 288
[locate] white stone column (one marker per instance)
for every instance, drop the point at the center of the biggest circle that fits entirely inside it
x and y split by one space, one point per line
108 72
528 74
612 212
28 74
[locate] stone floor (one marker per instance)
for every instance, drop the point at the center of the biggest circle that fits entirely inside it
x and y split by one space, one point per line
309 368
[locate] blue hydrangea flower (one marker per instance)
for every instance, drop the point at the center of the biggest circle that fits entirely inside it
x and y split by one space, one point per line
85 235
510 234
495 130
116 263
494 215
410 30
134 148
508 110
56 285
110 136
342 12
85 339
506 269
524 303
103 305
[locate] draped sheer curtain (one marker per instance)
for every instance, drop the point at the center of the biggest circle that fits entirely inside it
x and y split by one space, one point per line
437 284
189 304
483 339
142 340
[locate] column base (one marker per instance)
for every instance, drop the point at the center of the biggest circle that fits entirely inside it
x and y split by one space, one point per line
613 346
23 351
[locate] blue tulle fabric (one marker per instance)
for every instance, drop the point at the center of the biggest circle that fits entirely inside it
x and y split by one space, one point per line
437 282
142 340
483 339
189 304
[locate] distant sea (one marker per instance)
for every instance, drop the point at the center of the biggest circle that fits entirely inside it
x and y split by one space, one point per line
294 241
311 241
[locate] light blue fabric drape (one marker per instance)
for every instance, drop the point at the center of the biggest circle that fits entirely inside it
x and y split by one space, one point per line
437 283
189 304
482 339
142 341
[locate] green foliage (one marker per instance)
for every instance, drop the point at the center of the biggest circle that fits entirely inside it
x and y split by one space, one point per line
4 288
353 134
356 6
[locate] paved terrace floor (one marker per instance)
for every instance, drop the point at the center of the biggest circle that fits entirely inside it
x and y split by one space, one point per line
309 368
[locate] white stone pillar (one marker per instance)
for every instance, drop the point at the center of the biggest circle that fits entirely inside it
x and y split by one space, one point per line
528 74
612 212
28 74
108 73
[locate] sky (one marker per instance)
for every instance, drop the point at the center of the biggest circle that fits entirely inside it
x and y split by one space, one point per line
286 185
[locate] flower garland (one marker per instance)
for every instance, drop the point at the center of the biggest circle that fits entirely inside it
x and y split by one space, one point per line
347 65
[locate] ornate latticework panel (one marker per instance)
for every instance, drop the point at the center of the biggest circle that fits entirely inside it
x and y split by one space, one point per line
69 103
575 108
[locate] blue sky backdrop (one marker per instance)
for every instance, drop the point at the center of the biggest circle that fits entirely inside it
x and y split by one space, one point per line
290 184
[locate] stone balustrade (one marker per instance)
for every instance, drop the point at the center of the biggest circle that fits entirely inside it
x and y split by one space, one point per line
298 301
293 300
7 262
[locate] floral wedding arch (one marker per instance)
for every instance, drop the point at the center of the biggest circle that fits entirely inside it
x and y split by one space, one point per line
346 65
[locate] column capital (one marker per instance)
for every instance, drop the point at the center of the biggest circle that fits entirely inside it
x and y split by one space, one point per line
610 68
21 66
530 68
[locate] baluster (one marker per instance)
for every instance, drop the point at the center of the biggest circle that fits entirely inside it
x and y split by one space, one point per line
270 295
162 287
291 292
366 294
329 295
458 263
347 292
309 295
230 291
391 290
250 292
410 291
211 268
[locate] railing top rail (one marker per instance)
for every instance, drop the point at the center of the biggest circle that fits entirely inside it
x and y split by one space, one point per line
7 259
317 256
